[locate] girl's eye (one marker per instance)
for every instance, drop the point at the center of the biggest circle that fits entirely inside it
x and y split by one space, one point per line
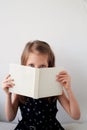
31 65
43 66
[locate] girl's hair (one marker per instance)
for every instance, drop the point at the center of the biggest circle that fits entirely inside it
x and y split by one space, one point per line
40 46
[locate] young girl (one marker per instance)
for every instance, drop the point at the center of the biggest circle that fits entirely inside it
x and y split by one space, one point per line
40 114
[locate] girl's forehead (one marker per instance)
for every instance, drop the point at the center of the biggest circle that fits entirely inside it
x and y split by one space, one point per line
37 54
37 59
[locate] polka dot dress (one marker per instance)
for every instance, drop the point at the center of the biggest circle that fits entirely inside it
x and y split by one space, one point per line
39 114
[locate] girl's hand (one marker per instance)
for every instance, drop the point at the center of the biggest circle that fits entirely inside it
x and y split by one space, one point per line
64 79
7 83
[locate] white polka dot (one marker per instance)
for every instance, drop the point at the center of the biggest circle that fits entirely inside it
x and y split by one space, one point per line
36 114
30 120
43 116
28 109
40 101
24 107
40 121
37 123
33 109
39 112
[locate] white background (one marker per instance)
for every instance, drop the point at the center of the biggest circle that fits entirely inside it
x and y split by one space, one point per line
61 23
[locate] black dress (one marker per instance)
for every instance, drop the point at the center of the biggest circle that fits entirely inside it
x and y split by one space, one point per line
39 114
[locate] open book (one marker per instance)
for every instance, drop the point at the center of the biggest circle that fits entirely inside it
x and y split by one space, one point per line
35 82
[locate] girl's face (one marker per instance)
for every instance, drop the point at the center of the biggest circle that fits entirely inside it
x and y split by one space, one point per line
37 60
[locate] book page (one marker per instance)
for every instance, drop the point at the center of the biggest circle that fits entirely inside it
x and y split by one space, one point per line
48 86
24 79
35 82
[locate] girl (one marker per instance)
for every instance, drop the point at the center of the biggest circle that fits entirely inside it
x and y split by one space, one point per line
40 114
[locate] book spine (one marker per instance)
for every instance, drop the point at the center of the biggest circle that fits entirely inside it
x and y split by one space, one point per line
36 86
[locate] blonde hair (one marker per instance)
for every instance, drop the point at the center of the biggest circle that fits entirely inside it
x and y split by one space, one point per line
40 46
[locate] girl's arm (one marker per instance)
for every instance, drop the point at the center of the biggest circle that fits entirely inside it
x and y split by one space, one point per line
68 101
11 107
11 104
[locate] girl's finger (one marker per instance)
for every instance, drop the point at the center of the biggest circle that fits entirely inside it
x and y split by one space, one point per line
7 76
62 72
6 80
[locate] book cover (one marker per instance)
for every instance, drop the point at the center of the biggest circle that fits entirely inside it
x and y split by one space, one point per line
35 82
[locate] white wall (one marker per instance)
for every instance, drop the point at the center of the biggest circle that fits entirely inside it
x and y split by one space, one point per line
61 23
